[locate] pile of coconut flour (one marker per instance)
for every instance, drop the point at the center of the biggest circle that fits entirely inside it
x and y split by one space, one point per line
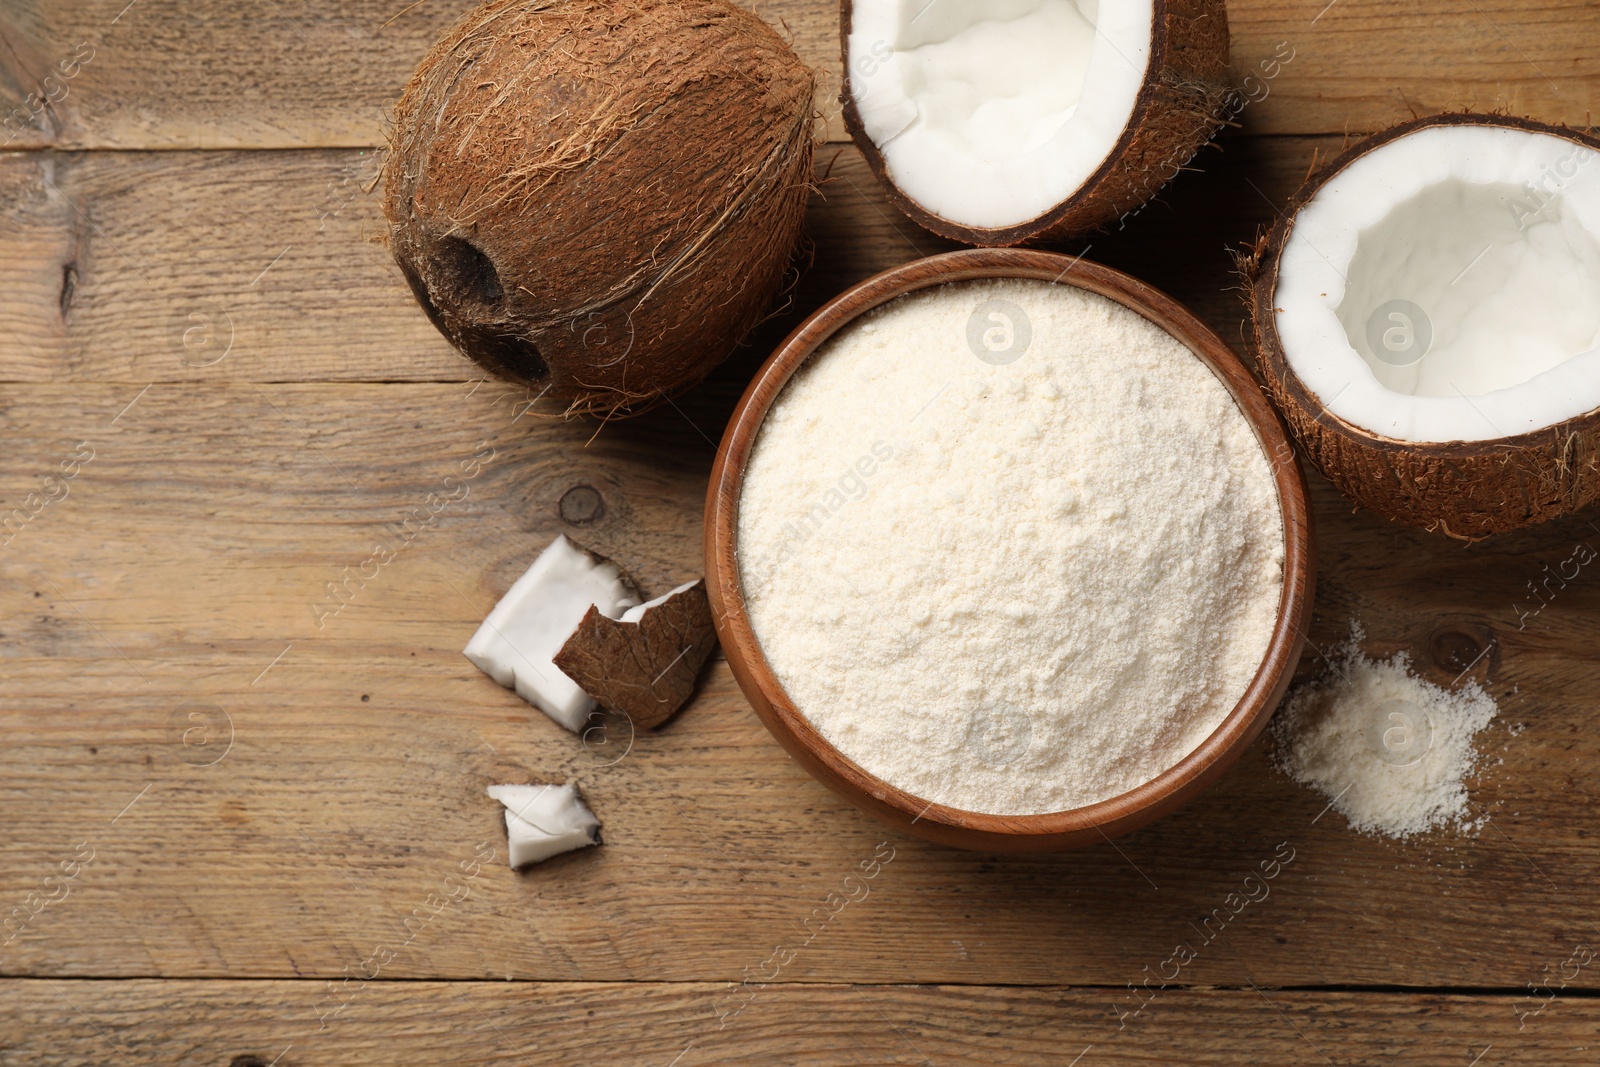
1391 751
1010 546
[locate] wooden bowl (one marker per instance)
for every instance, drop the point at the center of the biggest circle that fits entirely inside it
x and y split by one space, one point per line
1004 833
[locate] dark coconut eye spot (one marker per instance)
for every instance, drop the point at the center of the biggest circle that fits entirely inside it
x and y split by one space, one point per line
514 356
504 353
464 268
419 289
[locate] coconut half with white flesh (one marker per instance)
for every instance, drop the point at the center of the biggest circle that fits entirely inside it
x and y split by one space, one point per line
1427 318
999 122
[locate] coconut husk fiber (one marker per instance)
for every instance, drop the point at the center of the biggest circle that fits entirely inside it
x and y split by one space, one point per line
596 199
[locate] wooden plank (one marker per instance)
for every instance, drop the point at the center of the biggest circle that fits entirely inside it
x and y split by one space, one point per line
258 266
187 568
170 266
237 745
246 1023
295 73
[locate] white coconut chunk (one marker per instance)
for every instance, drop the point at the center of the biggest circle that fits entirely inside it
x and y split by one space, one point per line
518 641
1445 286
635 613
991 112
545 820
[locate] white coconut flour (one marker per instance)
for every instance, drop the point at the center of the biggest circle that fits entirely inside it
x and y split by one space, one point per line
1389 750
1010 546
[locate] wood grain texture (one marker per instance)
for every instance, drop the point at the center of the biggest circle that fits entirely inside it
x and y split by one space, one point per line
241 741
68 1023
190 565
267 266
297 74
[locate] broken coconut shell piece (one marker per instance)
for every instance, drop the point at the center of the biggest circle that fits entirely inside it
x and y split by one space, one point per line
645 663
544 821
518 642
1000 122
1427 318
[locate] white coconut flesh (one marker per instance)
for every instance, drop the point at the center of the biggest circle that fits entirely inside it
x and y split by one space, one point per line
544 821
638 611
989 113
517 643
1446 286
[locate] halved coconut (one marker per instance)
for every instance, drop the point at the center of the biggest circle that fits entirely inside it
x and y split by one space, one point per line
998 122
1427 318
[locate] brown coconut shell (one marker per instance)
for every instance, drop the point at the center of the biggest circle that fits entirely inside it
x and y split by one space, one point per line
600 199
645 669
1465 489
1181 105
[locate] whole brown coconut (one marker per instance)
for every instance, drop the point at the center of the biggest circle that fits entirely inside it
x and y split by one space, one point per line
600 199
1525 472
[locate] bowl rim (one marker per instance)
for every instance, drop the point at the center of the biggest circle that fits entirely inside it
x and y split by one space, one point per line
1051 831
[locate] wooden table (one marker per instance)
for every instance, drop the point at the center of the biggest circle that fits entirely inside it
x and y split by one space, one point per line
240 825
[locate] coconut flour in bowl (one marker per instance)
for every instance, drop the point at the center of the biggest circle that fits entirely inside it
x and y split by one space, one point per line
1010 546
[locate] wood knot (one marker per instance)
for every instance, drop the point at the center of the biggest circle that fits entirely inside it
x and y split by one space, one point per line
1459 649
582 505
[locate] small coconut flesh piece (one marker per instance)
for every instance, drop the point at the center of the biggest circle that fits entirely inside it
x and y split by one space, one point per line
1427 314
518 642
1001 121
545 820
645 663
